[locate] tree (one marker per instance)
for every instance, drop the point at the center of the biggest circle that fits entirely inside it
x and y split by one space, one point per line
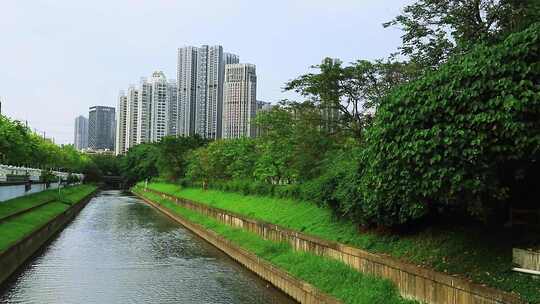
139 163
348 95
275 147
437 29
173 152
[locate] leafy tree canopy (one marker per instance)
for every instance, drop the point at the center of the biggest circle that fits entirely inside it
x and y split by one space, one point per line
437 29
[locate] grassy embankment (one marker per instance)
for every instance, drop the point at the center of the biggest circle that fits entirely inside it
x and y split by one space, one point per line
473 252
330 276
15 228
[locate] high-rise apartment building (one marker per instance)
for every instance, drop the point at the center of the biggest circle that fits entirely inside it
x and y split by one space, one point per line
173 107
80 140
240 100
147 113
101 128
200 73
191 104
144 107
201 91
217 60
187 89
121 124
132 116
159 107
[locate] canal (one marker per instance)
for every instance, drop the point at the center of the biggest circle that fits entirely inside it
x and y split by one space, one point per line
120 250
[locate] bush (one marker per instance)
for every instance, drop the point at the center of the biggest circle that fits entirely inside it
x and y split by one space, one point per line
287 191
72 179
337 188
460 137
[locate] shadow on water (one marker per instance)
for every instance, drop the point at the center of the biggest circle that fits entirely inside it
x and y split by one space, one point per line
120 250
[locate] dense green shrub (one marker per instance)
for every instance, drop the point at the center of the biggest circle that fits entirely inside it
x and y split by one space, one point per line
459 137
72 179
337 187
222 160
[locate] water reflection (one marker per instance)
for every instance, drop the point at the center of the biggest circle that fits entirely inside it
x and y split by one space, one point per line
119 250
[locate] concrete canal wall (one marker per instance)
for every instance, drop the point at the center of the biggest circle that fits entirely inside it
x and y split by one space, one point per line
297 289
527 259
15 256
13 190
412 281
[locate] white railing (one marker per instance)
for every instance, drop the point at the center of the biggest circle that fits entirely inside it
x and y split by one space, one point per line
33 173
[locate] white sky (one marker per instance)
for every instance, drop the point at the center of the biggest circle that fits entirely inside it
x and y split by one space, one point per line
59 57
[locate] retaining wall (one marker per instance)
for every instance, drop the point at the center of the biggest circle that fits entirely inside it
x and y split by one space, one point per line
527 259
13 190
412 281
297 289
15 256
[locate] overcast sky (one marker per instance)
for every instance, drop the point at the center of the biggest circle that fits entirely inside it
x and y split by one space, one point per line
58 57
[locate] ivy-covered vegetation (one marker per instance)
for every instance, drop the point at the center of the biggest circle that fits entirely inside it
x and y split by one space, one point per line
466 136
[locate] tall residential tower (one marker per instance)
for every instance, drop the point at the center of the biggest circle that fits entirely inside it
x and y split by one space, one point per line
187 89
201 72
80 140
121 124
101 128
159 107
240 100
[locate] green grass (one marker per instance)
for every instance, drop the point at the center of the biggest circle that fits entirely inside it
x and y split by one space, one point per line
330 276
473 252
15 205
18 227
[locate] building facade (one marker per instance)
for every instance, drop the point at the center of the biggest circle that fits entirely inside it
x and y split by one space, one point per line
101 128
147 112
144 107
80 139
132 116
159 107
240 100
186 76
173 107
121 124
201 73
215 86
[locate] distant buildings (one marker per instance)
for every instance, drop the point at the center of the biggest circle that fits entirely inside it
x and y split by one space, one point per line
80 139
101 128
150 112
240 101
121 124
186 73
132 116
200 73
144 105
202 100
159 106
173 107
263 105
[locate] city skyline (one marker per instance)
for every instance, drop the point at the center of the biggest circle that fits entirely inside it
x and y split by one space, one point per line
282 48
214 96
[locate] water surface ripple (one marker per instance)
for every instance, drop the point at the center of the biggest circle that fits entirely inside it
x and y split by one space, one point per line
120 250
